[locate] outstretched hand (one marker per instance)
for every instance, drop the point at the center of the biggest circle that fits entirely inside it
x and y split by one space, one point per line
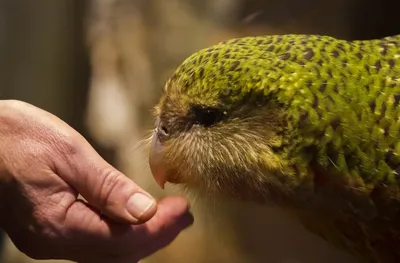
44 165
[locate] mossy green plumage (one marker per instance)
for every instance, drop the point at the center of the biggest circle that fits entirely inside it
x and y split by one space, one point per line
309 122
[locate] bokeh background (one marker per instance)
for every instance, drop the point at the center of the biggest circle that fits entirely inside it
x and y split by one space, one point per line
100 65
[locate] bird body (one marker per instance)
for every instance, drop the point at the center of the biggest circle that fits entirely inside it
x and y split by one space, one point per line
310 123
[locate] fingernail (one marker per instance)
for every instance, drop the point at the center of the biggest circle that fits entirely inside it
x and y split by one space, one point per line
138 204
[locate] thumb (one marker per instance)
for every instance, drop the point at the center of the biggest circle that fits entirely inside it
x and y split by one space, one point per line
104 187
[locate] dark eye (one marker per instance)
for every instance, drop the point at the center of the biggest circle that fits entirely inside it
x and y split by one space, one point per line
207 116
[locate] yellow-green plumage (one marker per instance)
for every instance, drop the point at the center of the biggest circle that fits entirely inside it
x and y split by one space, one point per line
309 122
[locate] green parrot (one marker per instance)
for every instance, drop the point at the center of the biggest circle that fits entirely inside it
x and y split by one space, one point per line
308 123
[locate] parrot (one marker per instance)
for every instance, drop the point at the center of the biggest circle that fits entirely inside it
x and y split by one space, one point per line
309 123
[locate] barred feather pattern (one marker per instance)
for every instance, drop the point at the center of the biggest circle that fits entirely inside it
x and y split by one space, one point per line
310 123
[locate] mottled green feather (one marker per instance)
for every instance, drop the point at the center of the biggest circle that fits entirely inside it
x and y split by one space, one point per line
328 85
331 120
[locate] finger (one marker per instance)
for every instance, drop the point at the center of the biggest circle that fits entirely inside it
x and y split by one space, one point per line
162 229
104 187
93 234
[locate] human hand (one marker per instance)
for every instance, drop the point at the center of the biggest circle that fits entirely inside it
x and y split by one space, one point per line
44 165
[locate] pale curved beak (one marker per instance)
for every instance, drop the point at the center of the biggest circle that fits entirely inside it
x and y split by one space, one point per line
156 161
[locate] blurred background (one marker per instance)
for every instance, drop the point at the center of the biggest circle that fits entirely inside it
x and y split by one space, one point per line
100 66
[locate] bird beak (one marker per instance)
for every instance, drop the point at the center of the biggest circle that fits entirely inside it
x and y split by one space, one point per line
156 161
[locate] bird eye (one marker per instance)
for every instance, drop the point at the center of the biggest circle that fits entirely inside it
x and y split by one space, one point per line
207 116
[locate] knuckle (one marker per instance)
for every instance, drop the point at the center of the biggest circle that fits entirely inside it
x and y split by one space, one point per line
111 180
67 144
56 145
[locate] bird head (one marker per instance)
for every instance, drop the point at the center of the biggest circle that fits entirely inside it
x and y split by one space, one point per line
219 124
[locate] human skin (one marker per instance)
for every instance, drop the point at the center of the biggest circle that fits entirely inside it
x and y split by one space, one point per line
44 165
